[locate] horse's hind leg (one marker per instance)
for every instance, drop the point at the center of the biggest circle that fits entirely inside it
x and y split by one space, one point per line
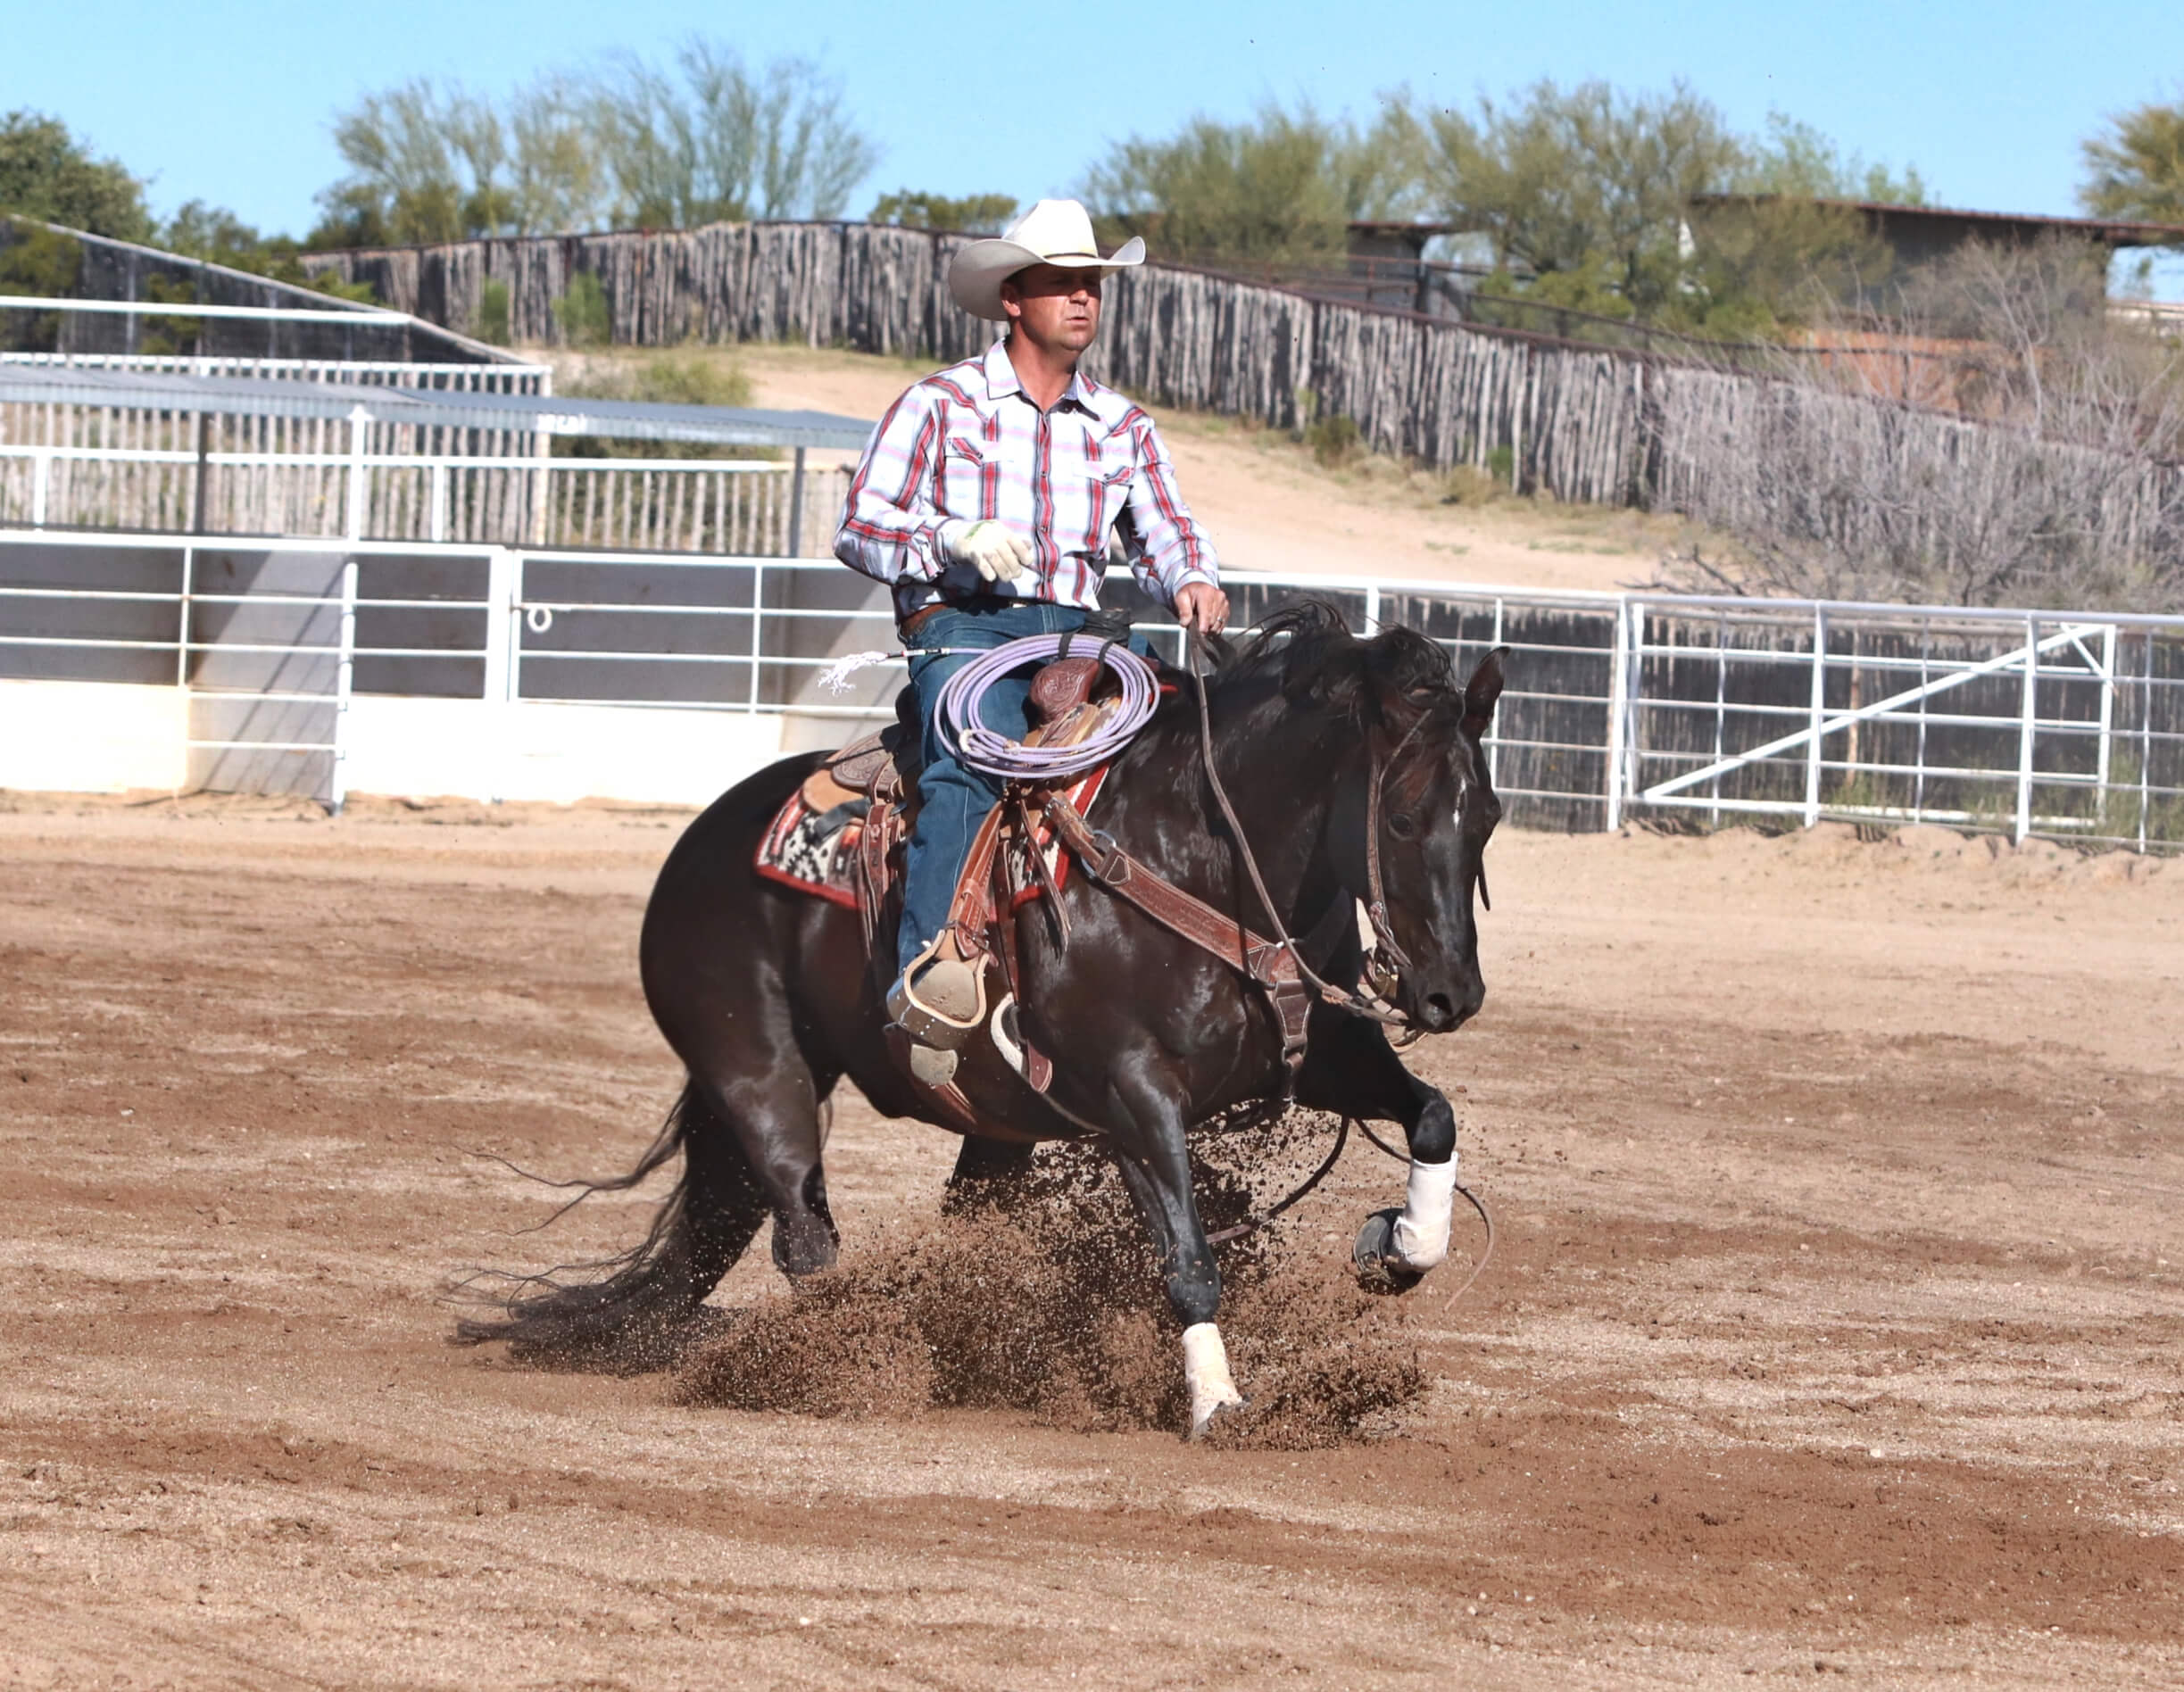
767 1104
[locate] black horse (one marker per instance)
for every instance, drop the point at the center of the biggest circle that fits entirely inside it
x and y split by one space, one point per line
767 996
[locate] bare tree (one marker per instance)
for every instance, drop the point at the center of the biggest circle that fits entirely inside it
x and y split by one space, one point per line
2051 479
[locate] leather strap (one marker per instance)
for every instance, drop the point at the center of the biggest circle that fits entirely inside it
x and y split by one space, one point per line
1272 966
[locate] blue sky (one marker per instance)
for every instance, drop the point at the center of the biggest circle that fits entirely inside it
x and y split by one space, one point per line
230 102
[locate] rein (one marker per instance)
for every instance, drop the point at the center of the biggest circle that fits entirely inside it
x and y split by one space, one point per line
1388 958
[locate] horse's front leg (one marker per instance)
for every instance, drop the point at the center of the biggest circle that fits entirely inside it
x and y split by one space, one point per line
1156 1167
1350 1067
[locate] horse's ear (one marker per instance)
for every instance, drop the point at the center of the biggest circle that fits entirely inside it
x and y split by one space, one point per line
1482 690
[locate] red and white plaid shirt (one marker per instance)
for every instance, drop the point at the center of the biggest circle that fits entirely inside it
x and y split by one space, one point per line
967 442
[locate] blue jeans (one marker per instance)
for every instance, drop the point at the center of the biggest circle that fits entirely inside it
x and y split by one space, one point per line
953 801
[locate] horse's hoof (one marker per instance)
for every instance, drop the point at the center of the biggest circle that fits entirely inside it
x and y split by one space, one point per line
1225 1415
1374 1256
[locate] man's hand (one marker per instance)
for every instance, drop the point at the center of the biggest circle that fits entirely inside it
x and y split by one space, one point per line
1202 606
993 551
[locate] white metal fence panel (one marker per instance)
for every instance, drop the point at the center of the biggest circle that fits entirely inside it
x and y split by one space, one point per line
732 507
1688 709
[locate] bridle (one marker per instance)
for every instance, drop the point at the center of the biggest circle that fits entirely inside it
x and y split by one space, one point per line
1387 960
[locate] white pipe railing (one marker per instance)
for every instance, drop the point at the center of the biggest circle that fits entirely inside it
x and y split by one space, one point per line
1601 720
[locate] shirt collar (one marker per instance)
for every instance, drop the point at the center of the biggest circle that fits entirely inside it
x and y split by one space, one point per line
1001 381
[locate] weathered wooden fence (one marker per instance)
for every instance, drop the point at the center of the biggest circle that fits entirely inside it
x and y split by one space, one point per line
1583 423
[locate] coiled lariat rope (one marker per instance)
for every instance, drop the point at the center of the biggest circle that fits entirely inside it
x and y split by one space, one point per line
993 754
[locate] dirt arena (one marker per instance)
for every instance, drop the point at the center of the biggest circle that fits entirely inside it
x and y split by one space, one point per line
1836 1324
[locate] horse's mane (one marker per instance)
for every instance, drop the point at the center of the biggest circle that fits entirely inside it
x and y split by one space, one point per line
1306 648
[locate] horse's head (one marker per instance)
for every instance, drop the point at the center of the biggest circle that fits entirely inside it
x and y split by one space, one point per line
1412 801
1435 810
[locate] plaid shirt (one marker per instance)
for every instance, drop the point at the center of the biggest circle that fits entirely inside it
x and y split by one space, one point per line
967 442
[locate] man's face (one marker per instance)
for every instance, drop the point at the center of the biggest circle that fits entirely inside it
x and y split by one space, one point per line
1055 307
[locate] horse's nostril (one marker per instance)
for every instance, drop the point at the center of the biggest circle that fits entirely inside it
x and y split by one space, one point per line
1440 1007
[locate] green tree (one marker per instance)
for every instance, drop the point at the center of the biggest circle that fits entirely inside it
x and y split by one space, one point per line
708 139
46 173
426 164
1783 250
1796 159
974 214
1276 189
2135 169
1584 189
704 139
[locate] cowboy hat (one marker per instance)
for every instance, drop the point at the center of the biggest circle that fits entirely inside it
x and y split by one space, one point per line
1053 232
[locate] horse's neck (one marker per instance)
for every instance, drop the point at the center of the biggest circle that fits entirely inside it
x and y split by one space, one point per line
1280 777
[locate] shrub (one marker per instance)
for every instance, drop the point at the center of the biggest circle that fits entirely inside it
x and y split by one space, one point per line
491 323
1334 439
581 313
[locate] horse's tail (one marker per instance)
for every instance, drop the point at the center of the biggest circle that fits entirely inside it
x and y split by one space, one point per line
641 1308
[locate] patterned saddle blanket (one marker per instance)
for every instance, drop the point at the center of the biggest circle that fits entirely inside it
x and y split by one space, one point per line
822 840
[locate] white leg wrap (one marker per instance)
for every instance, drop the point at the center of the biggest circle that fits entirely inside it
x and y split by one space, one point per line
1205 1365
1422 1231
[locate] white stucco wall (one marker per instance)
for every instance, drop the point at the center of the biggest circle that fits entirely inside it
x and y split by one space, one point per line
92 737
416 748
109 737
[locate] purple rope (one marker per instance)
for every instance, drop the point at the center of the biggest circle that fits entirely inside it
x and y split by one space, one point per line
983 750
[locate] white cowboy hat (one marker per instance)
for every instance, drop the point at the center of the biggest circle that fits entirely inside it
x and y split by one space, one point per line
1053 232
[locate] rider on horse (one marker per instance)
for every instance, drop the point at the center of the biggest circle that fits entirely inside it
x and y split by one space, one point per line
985 501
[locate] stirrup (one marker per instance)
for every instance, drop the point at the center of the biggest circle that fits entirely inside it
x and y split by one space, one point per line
931 1024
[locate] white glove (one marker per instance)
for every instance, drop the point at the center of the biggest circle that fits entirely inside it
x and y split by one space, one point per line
993 551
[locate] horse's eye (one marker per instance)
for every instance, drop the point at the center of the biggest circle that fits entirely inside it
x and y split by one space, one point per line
1401 825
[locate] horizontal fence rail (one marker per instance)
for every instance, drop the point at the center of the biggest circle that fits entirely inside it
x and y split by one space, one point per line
1688 709
751 507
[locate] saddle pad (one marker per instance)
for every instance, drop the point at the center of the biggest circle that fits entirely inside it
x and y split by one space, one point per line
815 851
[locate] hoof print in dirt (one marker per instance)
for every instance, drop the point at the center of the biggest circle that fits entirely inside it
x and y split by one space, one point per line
1374 1256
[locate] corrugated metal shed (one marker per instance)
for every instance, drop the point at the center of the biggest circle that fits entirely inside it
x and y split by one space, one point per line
426 407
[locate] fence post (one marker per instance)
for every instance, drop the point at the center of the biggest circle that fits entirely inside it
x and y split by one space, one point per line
796 506
2108 721
353 526
1819 710
1372 609
2024 728
1493 727
41 483
503 654
199 482
438 529
345 676
758 627
181 636
538 507
1618 705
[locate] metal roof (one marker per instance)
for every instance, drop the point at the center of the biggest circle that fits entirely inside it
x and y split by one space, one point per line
426 407
2103 231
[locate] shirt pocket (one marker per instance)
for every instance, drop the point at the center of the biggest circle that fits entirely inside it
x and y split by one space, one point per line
1111 493
968 475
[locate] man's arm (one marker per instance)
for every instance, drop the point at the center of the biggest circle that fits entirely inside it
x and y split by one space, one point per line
1171 559
889 526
